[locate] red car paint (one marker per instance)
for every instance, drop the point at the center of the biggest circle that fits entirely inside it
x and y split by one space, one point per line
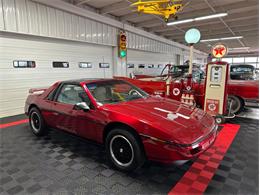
164 139
247 90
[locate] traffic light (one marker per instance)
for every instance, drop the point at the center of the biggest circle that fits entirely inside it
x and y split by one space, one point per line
122 44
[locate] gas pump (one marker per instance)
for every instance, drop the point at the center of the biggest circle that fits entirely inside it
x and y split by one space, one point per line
215 102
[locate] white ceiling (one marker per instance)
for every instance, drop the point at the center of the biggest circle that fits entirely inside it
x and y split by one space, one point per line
242 20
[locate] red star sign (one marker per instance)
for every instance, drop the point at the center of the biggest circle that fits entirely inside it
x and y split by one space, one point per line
219 51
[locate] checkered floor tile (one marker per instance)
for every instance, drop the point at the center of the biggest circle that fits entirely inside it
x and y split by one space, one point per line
63 164
238 171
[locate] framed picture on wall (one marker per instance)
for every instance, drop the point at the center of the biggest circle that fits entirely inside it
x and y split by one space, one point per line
104 65
130 65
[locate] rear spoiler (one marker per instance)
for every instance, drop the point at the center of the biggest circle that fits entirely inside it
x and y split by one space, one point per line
37 90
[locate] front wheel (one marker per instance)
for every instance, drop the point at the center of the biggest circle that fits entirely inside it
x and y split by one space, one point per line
237 104
37 123
123 150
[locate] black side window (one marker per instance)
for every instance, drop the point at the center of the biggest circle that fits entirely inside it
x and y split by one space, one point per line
60 64
52 94
72 94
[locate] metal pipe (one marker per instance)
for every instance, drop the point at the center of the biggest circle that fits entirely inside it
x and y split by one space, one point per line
191 59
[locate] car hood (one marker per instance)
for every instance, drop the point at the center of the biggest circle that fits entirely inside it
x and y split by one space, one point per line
166 119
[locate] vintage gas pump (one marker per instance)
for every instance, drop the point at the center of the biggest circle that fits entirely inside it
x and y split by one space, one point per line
215 102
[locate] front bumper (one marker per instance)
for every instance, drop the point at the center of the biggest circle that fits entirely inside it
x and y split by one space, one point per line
167 152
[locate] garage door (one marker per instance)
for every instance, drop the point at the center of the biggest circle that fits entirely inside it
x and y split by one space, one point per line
16 81
148 62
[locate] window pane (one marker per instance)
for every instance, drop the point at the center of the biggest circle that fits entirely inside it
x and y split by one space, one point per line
85 65
130 65
150 65
238 60
24 64
60 64
229 60
103 65
73 94
251 59
253 64
141 66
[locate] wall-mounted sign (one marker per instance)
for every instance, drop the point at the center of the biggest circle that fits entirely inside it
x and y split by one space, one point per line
219 50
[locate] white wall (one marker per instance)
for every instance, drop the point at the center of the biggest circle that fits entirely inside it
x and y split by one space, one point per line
27 17
15 82
141 57
73 23
56 31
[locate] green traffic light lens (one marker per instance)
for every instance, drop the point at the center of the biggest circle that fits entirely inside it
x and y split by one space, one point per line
122 53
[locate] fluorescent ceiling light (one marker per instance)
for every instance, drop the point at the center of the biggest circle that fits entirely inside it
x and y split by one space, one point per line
221 39
211 16
182 21
198 19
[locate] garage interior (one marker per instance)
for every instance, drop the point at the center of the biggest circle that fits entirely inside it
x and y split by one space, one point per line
45 41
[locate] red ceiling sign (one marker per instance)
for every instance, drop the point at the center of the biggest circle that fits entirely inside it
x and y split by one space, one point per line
219 50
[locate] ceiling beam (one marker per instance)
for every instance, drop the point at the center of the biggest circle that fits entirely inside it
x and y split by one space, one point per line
81 2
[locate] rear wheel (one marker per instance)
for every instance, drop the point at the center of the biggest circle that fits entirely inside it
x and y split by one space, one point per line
37 123
237 104
123 150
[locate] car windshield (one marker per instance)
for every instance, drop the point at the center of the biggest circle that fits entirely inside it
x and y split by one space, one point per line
115 91
242 69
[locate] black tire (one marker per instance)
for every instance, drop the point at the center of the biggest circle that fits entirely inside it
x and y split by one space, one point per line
237 104
37 122
123 150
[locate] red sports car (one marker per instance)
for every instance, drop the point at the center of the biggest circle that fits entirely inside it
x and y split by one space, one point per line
132 125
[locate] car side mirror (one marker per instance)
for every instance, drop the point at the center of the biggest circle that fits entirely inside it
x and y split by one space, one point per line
82 106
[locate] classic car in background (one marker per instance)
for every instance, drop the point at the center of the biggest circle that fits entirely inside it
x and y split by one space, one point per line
240 92
242 72
132 125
